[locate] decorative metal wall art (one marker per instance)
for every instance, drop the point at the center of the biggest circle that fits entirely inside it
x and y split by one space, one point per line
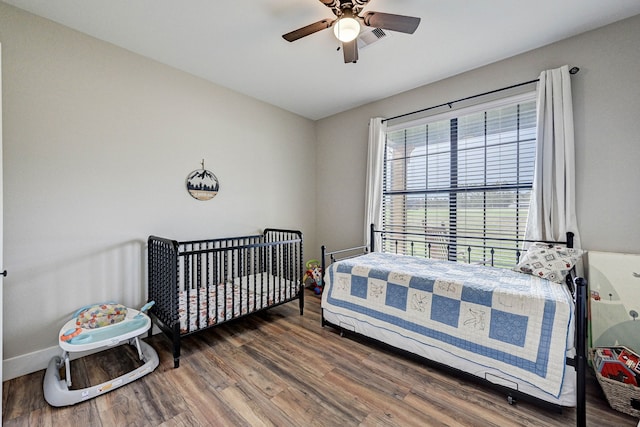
202 184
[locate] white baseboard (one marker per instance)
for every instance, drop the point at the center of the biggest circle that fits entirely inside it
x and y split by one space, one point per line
28 363
36 361
39 360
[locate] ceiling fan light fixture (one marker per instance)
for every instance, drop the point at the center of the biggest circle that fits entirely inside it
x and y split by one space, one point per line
346 29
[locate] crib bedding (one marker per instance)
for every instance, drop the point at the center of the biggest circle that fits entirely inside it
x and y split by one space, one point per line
233 298
506 327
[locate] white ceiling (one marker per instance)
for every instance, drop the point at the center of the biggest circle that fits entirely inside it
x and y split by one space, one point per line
238 44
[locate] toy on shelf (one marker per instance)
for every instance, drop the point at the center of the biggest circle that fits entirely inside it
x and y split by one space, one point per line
94 327
313 276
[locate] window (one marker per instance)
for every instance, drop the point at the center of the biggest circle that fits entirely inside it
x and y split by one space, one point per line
463 179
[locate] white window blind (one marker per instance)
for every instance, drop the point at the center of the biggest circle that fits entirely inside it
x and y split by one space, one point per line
462 179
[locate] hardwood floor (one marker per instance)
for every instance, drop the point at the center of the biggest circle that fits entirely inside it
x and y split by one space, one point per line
283 369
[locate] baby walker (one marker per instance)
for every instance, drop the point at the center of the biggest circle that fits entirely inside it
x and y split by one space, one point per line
90 328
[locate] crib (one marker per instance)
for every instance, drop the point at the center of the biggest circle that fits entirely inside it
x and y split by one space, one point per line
200 284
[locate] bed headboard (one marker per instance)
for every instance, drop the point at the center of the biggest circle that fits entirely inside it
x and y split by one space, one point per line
492 251
438 244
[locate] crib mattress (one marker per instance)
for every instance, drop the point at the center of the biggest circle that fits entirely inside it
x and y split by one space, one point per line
207 306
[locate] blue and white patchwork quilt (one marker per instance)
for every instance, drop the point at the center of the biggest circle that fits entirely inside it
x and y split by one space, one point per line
516 323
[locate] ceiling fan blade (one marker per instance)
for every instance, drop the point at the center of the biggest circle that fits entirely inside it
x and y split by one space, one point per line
350 50
389 21
308 30
333 4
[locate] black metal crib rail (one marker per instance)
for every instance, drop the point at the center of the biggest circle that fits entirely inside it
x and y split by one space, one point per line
162 259
233 273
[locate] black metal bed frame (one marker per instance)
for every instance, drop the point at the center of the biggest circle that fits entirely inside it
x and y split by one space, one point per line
190 266
577 286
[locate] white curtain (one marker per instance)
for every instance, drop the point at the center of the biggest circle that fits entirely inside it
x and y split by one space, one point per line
552 211
373 192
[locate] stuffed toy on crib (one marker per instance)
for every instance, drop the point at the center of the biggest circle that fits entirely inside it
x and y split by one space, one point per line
313 276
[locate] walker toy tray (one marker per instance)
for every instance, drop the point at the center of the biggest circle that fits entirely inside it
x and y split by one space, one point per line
73 338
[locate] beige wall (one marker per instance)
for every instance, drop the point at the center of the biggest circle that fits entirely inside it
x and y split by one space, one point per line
606 100
98 142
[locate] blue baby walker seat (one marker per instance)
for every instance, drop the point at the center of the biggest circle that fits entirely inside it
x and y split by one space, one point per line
94 327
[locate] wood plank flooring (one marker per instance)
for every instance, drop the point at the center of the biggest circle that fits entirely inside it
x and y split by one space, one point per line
283 369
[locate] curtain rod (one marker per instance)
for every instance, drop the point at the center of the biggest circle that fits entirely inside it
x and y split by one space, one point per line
573 70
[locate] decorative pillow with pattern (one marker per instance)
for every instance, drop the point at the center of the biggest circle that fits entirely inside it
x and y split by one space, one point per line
551 262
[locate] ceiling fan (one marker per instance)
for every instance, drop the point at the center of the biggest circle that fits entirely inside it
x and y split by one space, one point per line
347 24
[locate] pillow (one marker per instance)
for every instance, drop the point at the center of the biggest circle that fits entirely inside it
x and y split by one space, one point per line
549 261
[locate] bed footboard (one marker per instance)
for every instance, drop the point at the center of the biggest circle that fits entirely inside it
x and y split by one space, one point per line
581 350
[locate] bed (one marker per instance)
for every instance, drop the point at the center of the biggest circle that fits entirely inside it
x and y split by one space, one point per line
513 331
199 284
